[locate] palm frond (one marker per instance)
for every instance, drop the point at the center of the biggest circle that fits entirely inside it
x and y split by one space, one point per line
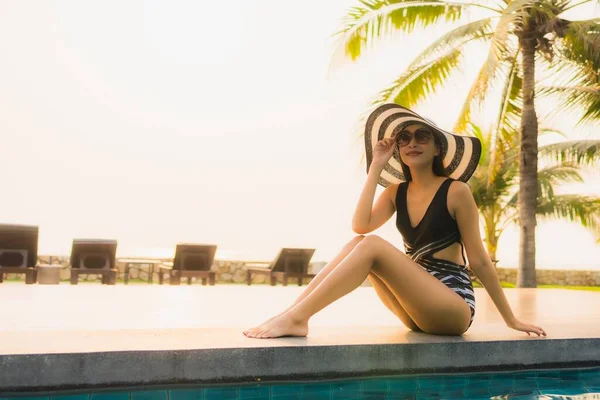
416 84
582 209
500 52
513 15
574 4
458 37
505 137
578 153
581 42
490 192
548 179
577 99
554 176
377 19
546 131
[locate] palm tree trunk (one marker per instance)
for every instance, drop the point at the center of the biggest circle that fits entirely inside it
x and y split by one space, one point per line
491 239
528 162
492 247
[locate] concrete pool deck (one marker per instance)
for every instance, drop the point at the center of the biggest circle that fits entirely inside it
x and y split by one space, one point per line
91 336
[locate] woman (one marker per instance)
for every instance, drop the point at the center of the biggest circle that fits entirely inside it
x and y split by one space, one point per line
424 170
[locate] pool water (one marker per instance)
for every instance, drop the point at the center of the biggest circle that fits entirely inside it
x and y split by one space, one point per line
541 384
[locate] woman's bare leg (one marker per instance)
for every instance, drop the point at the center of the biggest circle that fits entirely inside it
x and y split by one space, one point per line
389 300
314 282
432 305
348 247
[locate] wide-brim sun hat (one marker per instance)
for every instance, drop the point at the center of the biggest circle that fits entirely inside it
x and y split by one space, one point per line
460 154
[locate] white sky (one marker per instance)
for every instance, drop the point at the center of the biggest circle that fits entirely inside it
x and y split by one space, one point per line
156 122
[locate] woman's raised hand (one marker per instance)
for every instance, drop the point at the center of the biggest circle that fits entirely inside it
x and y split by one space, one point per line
383 151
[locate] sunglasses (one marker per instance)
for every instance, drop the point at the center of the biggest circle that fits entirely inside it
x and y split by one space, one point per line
422 136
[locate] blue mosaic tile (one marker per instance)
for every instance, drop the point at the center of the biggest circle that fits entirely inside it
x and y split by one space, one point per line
590 381
400 396
318 388
506 380
258 392
427 383
525 383
185 394
369 396
346 396
527 374
455 381
524 395
559 384
478 385
427 396
479 398
478 377
280 390
565 373
452 394
316 396
499 390
563 392
72 397
549 383
549 373
110 396
478 392
150 395
403 385
297 396
346 387
428 392
29 398
375 386
595 372
225 393
570 377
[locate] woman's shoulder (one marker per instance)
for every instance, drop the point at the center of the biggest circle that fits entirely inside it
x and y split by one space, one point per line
458 192
458 187
392 190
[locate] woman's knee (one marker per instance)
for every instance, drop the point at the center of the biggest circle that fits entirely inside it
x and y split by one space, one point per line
371 243
373 240
355 240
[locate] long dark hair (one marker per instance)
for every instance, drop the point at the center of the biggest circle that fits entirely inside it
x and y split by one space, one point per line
437 165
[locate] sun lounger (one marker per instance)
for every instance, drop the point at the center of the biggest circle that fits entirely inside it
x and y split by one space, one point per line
18 251
290 262
94 256
191 261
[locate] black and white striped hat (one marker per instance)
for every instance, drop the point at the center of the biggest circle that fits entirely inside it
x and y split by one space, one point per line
460 154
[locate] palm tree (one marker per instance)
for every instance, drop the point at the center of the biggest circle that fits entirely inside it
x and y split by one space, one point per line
495 183
495 187
522 35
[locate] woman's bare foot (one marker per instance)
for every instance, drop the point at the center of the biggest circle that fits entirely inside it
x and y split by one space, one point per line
281 325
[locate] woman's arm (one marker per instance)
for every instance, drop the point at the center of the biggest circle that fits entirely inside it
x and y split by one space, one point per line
367 217
461 201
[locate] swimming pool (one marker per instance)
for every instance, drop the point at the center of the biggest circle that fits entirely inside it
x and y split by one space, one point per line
538 384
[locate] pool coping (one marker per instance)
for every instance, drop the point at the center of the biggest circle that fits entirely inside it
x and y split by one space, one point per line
31 373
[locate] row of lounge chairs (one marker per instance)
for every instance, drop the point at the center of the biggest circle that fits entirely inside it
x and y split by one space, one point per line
18 255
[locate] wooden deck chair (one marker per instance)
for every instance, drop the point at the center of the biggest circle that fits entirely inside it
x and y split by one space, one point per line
191 261
290 262
94 257
18 251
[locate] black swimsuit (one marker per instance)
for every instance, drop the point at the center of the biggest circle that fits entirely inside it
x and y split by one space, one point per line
436 231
